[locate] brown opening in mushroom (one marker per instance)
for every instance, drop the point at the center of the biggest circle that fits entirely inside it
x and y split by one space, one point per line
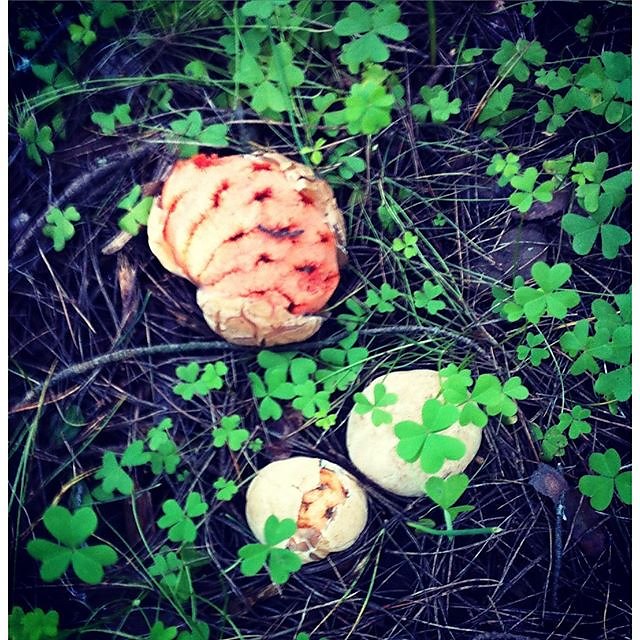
319 505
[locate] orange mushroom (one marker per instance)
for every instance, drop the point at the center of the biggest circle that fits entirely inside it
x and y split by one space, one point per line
259 235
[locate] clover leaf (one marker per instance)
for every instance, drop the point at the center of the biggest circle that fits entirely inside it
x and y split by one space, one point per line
381 398
225 489
514 58
427 298
108 121
179 521
407 245
71 531
281 563
36 138
228 433
60 227
137 209
382 300
368 108
424 442
436 103
532 350
600 487
33 625
194 382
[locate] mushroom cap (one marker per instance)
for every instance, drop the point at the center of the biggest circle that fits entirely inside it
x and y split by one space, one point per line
327 503
372 449
259 235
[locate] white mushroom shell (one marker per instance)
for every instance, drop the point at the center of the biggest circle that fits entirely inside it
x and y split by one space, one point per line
372 449
278 489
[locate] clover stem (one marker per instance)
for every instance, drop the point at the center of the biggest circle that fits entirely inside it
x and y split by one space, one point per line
455 532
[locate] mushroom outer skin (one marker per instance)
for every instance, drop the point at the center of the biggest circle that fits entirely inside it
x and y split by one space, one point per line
372 449
280 489
259 235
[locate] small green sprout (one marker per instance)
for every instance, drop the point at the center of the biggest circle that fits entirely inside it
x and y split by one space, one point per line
381 398
60 227
600 487
229 433
528 10
163 453
31 38
225 489
71 532
514 58
191 129
532 350
109 121
382 300
137 208
583 27
36 138
436 103
427 298
407 244
179 521
281 563
507 167
194 382
33 625
82 32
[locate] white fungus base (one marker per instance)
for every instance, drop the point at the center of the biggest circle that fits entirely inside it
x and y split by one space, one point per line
278 489
372 449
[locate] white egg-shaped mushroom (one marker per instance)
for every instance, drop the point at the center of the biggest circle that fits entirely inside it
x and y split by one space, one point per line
327 503
372 448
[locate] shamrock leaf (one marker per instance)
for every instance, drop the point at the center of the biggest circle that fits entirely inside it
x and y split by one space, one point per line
427 298
225 489
228 433
381 398
600 487
60 227
179 521
445 492
194 382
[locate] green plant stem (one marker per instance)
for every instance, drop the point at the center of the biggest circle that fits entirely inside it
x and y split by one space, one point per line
433 43
455 532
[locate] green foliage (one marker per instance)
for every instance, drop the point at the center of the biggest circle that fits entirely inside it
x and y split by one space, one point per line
159 632
160 95
369 25
368 108
225 489
497 104
583 27
263 9
381 398
137 208
194 382
173 574
109 12
33 625
31 38
163 452
506 168
407 245
197 70
515 58
468 55
554 440
82 32
269 80
528 10
599 197
427 298
526 190
554 113
435 103
382 300
548 298
60 227
532 350
112 473
274 385
179 521
108 121
422 441
190 128
229 433
71 531
609 343
36 139
599 488
281 563
342 364
488 391
346 162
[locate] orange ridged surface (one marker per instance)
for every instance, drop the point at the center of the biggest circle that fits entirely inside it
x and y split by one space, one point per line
259 236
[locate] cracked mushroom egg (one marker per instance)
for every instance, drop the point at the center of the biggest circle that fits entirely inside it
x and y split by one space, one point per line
326 502
259 235
372 448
